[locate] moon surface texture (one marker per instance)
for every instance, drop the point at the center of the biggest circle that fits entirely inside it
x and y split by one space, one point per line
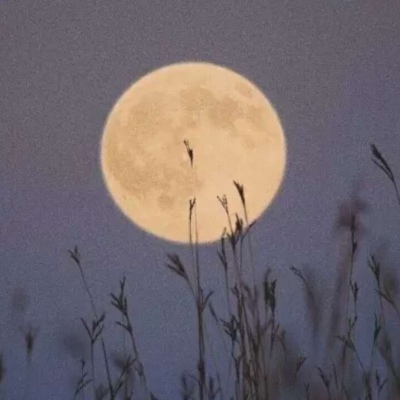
235 135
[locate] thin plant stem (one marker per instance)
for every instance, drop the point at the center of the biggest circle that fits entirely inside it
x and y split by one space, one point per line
76 257
199 294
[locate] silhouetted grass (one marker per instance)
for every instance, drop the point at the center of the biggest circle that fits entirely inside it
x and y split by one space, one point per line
264 364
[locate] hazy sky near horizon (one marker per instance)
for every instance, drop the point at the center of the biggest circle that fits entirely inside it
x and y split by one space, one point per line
331 70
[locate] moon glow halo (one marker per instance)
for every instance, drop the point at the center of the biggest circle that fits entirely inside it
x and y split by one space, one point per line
235 134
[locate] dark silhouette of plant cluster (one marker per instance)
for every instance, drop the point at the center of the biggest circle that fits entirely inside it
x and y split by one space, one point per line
263 363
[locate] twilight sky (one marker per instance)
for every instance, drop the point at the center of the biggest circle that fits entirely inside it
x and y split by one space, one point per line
330 68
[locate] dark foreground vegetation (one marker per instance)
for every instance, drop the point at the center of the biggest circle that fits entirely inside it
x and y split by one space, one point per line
262 366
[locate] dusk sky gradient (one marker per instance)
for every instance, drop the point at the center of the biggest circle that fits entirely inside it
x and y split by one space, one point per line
330 68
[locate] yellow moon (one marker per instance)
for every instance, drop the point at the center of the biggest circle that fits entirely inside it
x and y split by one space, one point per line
235 134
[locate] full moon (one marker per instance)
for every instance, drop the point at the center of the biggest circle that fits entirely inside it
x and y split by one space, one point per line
235 135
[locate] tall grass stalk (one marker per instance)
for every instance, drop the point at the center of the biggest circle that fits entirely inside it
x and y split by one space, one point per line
199 292
75 255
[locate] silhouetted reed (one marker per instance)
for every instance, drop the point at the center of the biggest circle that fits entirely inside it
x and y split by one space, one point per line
380 161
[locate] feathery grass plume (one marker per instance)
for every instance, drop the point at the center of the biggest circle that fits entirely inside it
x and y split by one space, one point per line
175 265
189 151
240 189
224 203
222 255
380 161
241 192
120 302
386 286
235 236
76 256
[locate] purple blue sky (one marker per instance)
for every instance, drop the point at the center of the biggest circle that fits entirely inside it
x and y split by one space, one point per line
330 68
